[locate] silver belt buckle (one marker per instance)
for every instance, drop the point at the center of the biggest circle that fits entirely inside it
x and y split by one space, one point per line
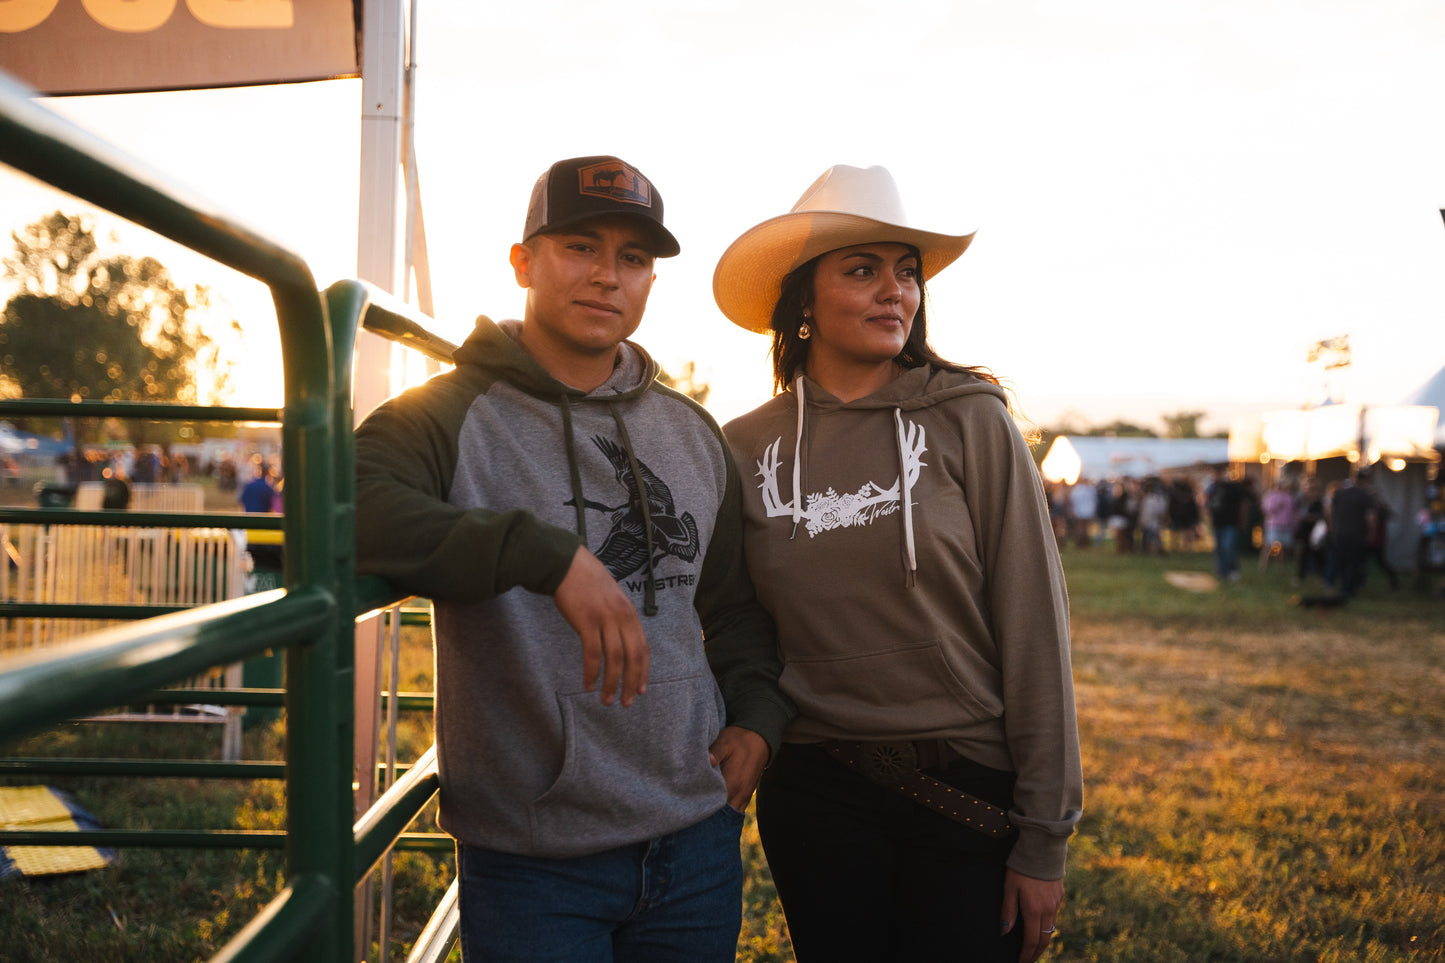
886 762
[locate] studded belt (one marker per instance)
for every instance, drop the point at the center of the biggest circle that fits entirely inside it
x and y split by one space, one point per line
894 765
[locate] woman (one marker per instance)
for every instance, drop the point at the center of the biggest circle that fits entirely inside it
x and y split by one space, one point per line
921 806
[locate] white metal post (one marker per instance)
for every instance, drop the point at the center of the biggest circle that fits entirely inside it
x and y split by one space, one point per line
383 30
379 224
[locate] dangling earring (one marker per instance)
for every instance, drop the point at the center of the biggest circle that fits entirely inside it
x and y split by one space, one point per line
805 332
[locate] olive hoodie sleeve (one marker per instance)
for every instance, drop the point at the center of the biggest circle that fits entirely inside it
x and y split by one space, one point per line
406 530
1030 613
739 634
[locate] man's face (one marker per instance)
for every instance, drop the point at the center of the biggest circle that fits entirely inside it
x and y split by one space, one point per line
587 287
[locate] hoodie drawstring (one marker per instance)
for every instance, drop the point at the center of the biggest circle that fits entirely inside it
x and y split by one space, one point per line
649 596
570 444
649 601
905 494
798 459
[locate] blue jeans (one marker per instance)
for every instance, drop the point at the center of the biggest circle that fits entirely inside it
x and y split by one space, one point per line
1226 550
675 899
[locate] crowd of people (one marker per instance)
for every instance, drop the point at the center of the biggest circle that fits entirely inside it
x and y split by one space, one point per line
1151 515
1327 533
146 464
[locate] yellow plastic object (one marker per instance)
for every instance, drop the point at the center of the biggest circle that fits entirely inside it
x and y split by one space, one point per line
37 808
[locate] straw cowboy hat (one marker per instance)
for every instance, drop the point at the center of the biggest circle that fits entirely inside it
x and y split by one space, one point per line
846 206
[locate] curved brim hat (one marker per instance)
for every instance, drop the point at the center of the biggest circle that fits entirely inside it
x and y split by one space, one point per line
846 206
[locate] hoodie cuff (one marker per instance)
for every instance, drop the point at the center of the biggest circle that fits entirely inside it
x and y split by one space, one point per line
763 715
1038 854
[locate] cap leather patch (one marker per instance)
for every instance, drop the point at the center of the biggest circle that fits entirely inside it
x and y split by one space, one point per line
615 181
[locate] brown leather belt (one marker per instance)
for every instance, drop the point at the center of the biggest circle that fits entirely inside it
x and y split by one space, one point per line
895 765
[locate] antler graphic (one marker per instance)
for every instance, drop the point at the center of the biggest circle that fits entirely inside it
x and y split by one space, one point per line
827 510
768 472
913 451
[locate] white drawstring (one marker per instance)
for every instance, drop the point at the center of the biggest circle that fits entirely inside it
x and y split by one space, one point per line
798 460
905 491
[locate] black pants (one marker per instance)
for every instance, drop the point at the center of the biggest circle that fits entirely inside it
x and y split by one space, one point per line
866 875
1350 563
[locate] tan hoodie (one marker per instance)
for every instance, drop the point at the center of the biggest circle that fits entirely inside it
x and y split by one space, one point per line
902 543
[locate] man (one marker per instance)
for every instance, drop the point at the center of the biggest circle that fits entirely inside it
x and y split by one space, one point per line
1084 505
115 490
1225 499
259 495
1353 518
549 496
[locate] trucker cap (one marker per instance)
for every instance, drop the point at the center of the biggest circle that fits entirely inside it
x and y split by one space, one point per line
579 188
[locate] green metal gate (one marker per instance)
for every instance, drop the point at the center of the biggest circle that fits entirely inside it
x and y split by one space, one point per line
311 618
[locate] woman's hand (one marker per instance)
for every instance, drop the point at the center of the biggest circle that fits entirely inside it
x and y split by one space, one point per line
741 754
1034 905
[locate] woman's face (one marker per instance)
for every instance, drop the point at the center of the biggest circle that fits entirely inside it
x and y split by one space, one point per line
863 304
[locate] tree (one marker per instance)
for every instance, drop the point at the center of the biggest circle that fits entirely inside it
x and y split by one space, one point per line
1182 424
687 382
1120 429
87 327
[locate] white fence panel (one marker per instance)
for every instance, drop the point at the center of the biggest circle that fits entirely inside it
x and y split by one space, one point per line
146 497
122 566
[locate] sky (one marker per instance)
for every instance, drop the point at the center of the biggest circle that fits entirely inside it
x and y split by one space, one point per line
1173 201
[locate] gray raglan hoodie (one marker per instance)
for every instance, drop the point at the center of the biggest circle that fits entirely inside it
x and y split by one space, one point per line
475 490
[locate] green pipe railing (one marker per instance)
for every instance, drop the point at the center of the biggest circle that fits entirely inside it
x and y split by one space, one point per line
115 666
152 838
266 698
256 521
397 322
394 811
154 768
153 410
311 618
288 921
85 610
147 768
205 839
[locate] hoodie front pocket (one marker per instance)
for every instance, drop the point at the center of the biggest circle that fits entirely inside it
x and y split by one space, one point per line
635 772
900 690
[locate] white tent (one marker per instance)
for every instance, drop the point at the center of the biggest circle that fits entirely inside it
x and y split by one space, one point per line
1074 456
1432 392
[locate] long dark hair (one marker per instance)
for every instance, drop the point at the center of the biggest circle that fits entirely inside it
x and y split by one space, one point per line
790 352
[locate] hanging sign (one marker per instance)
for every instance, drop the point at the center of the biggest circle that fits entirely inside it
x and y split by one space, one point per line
116 46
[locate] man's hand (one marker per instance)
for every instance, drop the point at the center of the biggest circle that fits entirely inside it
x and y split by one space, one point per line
606 621
742 754
1034 905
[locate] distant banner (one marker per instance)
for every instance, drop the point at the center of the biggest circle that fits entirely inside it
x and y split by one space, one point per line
115 46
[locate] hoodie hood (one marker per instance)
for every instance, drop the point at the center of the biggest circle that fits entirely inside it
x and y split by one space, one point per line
493 346
916 388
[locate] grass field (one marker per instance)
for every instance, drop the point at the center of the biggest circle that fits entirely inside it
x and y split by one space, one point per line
1264 783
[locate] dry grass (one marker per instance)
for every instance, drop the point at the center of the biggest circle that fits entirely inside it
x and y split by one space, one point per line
1264 783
